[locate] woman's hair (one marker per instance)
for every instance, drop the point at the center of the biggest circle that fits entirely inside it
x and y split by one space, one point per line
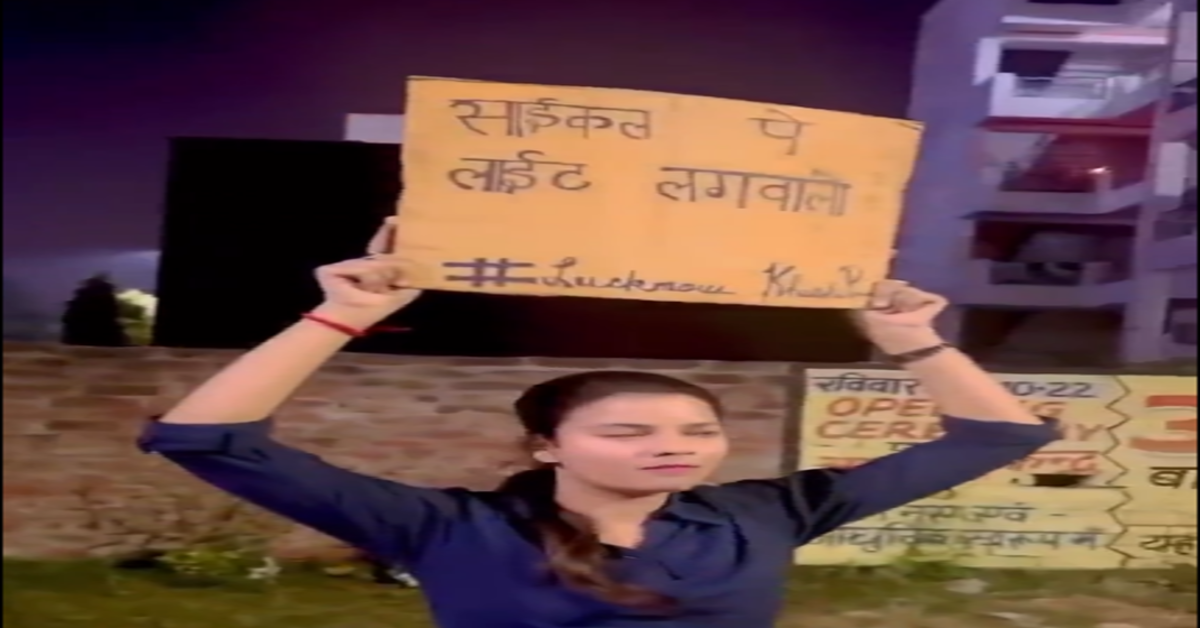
574 552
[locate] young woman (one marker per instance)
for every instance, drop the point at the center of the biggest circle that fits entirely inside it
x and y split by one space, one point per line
614 527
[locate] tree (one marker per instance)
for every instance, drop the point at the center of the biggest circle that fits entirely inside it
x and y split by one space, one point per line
93 316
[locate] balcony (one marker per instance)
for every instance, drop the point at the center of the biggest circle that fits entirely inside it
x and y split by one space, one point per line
1175 236
1037 173
1064 191
1073 97
1023 191
1146 13
1043 285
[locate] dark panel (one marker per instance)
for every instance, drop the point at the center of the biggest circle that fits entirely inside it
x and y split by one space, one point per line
1033 63
248 220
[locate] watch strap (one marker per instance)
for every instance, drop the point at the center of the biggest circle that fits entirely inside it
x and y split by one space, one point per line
909 357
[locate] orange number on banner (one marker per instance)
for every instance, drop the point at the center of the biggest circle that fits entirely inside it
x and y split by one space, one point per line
1183 430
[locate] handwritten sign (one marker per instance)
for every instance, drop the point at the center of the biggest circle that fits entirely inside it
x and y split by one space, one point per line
577 191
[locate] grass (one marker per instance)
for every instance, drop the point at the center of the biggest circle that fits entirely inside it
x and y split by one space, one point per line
91 595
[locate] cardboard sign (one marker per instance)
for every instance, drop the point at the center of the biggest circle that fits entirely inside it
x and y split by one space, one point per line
588 192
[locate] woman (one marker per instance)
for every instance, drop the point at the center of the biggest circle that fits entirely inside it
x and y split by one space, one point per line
614 528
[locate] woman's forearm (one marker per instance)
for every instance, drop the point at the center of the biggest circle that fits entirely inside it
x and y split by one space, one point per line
256 384
956 383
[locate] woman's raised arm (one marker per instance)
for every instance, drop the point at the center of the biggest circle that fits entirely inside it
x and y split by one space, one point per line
986 428
221 434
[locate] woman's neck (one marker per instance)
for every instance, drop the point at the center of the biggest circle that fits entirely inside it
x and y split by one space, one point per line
603 506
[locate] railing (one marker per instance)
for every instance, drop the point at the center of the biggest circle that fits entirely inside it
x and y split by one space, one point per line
1061 274
1049 97
1017 178
1077 97
1080 87
1031 284
1090 14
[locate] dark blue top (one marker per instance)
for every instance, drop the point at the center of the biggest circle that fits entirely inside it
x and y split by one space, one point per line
722 552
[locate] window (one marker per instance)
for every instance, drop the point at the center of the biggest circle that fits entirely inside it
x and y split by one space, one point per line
1181 322
1183 95
1178 222
1184 333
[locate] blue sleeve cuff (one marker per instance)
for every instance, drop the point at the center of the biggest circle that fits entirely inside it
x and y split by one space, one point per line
202 438
1003 432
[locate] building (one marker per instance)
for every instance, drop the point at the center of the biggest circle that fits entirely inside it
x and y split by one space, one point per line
1055 196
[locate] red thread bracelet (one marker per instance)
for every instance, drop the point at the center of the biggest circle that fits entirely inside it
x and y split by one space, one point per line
348 330
334 325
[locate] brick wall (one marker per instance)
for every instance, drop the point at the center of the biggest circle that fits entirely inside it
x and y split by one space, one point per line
74 481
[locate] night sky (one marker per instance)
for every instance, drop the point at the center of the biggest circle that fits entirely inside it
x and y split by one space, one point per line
93 88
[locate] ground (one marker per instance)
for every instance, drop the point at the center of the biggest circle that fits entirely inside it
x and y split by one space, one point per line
90 595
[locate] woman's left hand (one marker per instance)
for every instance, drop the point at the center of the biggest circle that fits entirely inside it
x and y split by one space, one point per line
900 317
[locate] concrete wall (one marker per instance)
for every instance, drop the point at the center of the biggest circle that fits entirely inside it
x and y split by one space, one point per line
950 99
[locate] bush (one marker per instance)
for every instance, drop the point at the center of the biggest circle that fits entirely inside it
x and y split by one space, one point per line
199 536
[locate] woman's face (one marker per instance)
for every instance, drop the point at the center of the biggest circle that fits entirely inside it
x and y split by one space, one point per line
640 443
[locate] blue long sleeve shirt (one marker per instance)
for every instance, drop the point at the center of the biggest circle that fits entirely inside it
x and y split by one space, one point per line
722 552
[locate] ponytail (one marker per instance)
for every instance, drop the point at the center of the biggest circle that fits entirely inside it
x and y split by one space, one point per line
574 552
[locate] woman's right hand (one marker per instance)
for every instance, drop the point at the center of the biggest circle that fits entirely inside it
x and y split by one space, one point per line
365 291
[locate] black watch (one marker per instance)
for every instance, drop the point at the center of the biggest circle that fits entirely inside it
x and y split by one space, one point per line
918 355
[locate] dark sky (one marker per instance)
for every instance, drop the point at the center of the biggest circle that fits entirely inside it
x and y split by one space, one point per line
93 88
